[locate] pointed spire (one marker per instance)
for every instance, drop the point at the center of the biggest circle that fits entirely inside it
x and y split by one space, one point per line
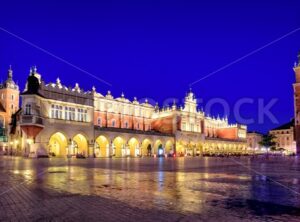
77 88
94 89
33 70
9 73
156 107
122 95
174 105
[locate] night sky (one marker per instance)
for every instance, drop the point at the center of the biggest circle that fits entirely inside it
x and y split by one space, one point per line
156 49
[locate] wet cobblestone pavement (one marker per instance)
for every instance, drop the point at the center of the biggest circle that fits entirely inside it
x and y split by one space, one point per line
148 189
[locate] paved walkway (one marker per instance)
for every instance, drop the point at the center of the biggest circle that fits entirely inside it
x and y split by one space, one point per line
148 189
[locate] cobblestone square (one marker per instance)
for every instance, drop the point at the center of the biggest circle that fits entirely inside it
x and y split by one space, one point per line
150 189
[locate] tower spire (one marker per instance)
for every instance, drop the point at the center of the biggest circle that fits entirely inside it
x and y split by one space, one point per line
9 73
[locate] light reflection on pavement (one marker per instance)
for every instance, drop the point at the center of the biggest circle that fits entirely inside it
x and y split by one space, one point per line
205 188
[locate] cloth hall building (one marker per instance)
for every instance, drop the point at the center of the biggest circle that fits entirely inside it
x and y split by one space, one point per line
68 121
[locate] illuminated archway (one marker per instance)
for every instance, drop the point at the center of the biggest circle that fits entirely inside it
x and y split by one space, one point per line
147 147
58 144
199 149
158 147
134 148
119 148
79 145
102 147
169 147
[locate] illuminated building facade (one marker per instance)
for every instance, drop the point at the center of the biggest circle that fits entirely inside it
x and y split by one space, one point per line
253 140
284 137
64 121
9 104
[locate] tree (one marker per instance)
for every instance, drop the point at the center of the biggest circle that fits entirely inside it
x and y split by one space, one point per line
281 150
268 142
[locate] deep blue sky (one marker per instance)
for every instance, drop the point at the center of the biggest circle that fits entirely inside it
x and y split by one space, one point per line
157 48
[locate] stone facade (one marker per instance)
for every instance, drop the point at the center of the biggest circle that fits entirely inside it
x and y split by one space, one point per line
284 137
253 139
9 104
64 121
296 86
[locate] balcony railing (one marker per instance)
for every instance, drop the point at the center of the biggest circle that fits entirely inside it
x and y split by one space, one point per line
31 120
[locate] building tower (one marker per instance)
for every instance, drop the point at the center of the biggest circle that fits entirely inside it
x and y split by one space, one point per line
9 103
296 86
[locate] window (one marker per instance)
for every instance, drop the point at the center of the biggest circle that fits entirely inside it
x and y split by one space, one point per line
12 97
82 115
126 125
72 113
192 127
85 115
99 122
183 126
56 111
113 123
138 126
69 113
28 109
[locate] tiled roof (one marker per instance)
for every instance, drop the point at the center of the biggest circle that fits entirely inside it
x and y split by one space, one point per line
285 126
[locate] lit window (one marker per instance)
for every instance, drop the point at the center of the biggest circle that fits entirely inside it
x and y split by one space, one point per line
69 113
192 127
72 113
56 111
82 115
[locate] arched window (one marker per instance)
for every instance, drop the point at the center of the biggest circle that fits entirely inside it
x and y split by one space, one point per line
99 122
12 97
126 125
138 126
28 109
113 123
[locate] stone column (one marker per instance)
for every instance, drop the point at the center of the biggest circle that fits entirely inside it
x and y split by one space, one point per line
110 149
91 151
